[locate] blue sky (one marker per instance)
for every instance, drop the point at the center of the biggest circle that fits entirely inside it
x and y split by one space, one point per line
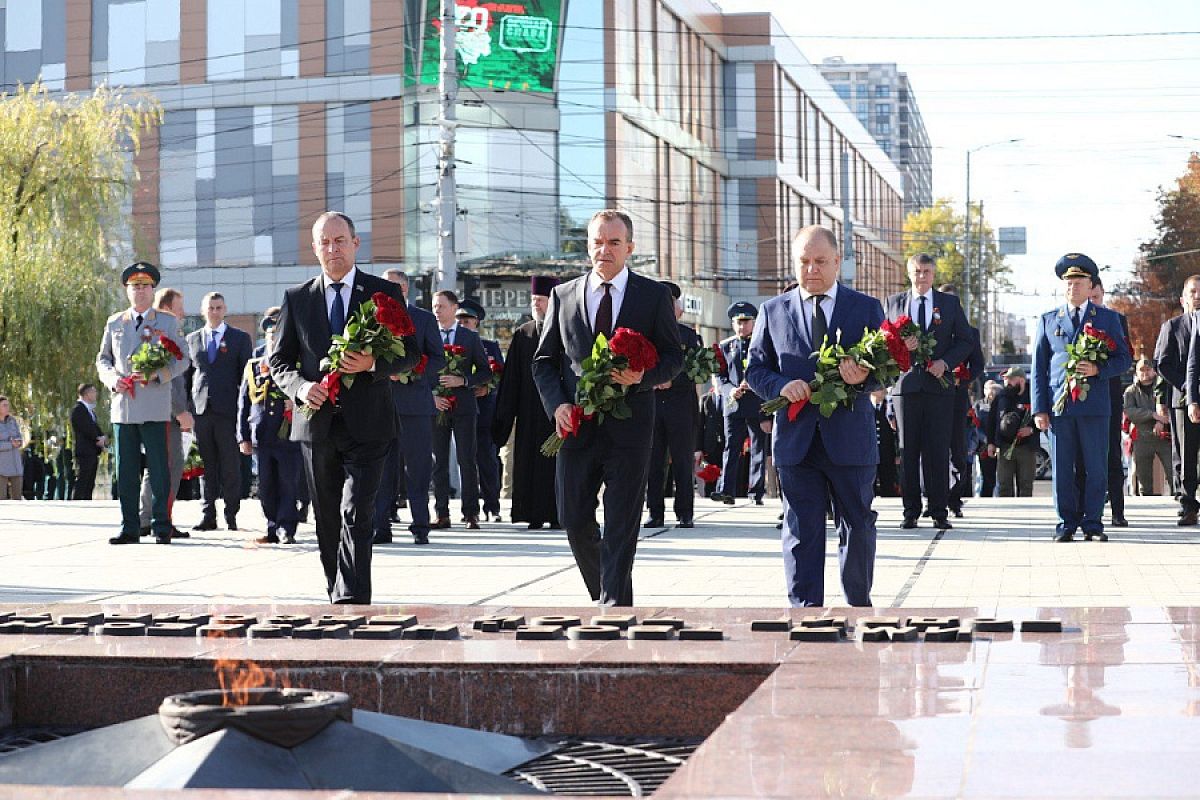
1094 115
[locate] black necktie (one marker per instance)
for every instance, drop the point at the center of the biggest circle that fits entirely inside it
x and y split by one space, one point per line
337 316
604 320
446 335
1075 319
921 312
820 325
137 323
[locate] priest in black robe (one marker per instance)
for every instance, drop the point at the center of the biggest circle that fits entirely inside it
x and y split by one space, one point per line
518 403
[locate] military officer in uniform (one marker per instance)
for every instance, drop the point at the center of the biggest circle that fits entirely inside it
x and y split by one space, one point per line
264 423
1079 434
487 454
676 424
743 410
141 404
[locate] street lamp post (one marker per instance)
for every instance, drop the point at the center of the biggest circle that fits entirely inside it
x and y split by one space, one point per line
967 249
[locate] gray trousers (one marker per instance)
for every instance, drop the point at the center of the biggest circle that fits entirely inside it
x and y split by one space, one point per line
1145 450
1018 470
175 471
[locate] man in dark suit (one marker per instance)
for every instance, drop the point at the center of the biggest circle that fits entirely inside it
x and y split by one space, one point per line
89 441
743 410
345 442
409 460
1116 395
1171 357
959 455
710 439
1079 434
820 459
462 411
616 452
924 407
219 353
676 423
887 476
487 455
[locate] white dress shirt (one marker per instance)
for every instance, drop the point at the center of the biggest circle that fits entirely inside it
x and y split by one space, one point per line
914 306
347 282
806 308
212 335
453 330
595 291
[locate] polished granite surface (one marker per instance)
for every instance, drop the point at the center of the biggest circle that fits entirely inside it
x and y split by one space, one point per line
1106 708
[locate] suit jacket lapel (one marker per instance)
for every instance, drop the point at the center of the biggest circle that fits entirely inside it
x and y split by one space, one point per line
794 312
835 319
358 296
624 300
317 298
581 299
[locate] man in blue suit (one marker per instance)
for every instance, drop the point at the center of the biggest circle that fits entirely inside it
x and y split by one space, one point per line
1079 435
820 459
410 455
743 415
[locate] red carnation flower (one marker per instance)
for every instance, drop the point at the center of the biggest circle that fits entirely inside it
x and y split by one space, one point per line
962 372
169 344
896 347
497 367
708 473
393 315
454 349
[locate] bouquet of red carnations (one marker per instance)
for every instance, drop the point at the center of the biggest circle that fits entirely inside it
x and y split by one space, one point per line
881 353
596 393
456 361
375 328
497 371
904 328
149 359
708 473
1093 345
410 374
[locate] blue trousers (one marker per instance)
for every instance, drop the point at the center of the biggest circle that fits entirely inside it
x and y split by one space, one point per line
487 464
1078 442
736 430
278 477
808 489
412 452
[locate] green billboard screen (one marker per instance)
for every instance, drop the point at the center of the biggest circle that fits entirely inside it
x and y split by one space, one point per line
508 46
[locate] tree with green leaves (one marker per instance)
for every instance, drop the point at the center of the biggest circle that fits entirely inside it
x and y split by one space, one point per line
65 174
941 232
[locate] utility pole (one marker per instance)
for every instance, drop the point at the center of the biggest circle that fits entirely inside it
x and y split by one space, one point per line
849 264
966 300
447 265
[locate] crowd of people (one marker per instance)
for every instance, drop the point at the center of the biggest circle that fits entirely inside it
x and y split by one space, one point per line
448 413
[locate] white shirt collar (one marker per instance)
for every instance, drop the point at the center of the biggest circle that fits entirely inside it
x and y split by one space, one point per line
90 406
830 294
928 295
347 279
217 331
452 328
594 281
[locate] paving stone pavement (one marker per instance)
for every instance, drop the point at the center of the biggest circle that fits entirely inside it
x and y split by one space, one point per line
999 556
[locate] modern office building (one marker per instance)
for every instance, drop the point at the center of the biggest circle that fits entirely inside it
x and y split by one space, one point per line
882 98
712 130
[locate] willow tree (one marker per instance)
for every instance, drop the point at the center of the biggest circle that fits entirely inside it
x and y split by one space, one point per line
65 176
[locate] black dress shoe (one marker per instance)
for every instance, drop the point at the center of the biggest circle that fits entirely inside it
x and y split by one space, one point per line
942 524
1188 518
178 534
727 500
395 517
717 497
909 523
164 538
382 539
687 523
653 522
231 523
289 539
472 523
420 538
270 538
534 526
440 522
927 513
1065 536
1099 536
206 524
957 512
758 501
145 531
401 502
1120 522
125 538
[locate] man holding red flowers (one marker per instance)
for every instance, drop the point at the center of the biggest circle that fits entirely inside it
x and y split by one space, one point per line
1078 347
613 451
344 438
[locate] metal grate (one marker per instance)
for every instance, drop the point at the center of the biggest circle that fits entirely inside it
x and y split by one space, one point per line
14 739
620 767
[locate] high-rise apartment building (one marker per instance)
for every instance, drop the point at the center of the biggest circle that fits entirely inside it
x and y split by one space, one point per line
882 98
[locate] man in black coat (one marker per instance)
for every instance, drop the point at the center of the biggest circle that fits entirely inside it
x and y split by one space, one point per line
743 411
616 452
458 415
1171 355
487 455
962 460
89 442
219 353
924 407
1116 394
676 420
518 404
345 442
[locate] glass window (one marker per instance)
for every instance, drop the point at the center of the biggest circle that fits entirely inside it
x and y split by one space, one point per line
862 108
883 91
668 65
842 90
883 109
883 126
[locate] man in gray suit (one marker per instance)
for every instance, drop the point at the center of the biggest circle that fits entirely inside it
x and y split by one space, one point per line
141 404
170 301
219 353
